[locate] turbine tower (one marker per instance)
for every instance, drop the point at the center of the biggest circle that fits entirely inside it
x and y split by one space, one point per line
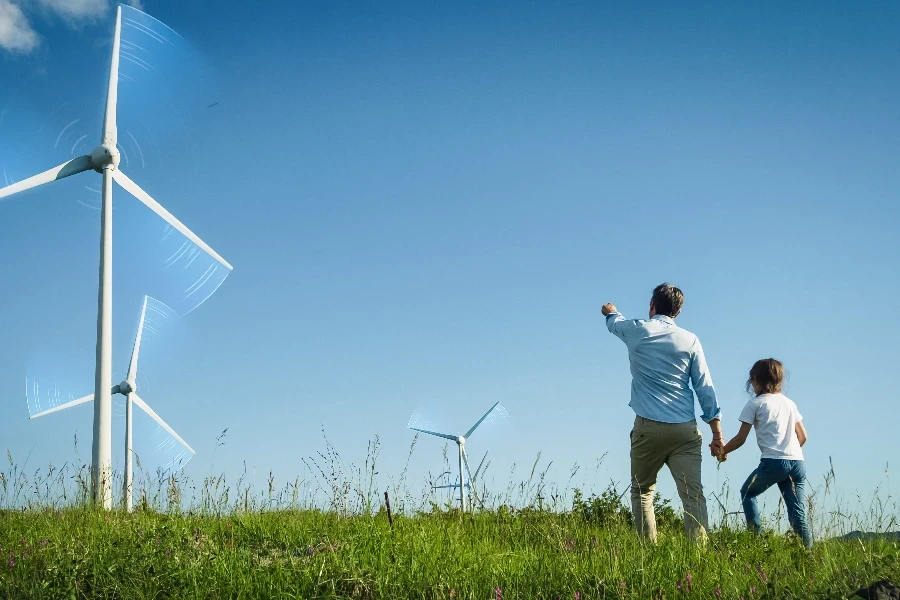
463 459
104 159
128 389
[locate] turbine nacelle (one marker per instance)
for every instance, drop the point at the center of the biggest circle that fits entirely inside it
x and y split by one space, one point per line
123 388
461 440
104 156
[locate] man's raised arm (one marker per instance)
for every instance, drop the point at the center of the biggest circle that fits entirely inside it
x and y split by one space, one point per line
616 322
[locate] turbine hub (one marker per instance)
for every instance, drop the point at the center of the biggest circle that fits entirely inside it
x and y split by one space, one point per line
460 440
104 156
125 388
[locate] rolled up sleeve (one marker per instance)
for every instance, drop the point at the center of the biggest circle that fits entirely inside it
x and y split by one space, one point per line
703 385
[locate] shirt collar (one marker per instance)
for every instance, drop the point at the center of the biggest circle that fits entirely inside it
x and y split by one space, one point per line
664 319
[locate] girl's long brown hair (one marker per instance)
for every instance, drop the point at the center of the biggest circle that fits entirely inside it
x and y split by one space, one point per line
766 377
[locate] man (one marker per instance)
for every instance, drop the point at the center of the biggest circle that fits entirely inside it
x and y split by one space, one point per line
665 359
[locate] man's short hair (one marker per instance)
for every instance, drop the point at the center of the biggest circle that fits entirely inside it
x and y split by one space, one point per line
667 299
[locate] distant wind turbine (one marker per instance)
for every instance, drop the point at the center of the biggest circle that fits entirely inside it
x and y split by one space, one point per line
128 389
471 484
104 159
463 459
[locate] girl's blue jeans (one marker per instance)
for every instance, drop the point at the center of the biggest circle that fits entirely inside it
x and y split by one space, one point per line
790 475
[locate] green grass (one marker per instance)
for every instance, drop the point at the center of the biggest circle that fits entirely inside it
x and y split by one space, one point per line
230 541
83 553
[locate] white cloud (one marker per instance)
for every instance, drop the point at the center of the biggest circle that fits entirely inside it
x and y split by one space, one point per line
16 34
77 9
135 3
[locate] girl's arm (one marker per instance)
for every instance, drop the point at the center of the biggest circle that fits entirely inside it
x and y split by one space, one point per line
800 430
738 440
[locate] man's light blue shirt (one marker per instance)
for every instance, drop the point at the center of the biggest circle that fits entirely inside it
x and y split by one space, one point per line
664 359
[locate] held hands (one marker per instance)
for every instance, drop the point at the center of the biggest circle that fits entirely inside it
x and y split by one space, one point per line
717 449
608 308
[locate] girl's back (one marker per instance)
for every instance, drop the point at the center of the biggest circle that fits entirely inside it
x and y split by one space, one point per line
774 418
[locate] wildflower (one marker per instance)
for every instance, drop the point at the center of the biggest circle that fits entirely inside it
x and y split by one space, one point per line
623 585
753 590
310 550
577 595
228 525
44 543
688 578
12 563
24 541
678 585
762 572
718 592
158 541
498 594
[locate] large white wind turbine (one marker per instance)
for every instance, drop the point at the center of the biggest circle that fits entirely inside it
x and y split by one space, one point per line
128 389
105 160
463 459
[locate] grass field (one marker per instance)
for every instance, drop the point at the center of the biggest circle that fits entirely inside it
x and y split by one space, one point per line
230 543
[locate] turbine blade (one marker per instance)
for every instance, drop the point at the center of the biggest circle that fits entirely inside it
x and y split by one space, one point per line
132 366
452 486
481 464
72 167
110 135
137 400
466 461
63 406
481 420
443 435
135 190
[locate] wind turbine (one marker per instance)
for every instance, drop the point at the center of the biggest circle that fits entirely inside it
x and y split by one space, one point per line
473 478
463 459
128 389
104 159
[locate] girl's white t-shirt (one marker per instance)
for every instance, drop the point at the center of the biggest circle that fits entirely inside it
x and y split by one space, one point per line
773 416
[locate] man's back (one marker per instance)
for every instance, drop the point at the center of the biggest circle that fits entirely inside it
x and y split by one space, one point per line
665 361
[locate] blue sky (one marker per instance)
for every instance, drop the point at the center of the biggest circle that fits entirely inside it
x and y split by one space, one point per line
426 205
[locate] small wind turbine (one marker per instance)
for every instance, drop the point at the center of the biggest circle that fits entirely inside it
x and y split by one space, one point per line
463 459
104 159
471 484
128 389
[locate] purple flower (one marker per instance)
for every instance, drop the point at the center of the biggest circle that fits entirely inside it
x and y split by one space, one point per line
44 543
577 595
678 585
12 563
762 572
718 592
623 585
498 594
753 590
688 578
24 541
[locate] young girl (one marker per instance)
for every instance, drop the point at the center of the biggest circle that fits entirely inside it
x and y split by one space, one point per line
780 434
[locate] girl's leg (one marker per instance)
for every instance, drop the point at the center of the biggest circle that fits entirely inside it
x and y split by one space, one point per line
759 481
793 489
